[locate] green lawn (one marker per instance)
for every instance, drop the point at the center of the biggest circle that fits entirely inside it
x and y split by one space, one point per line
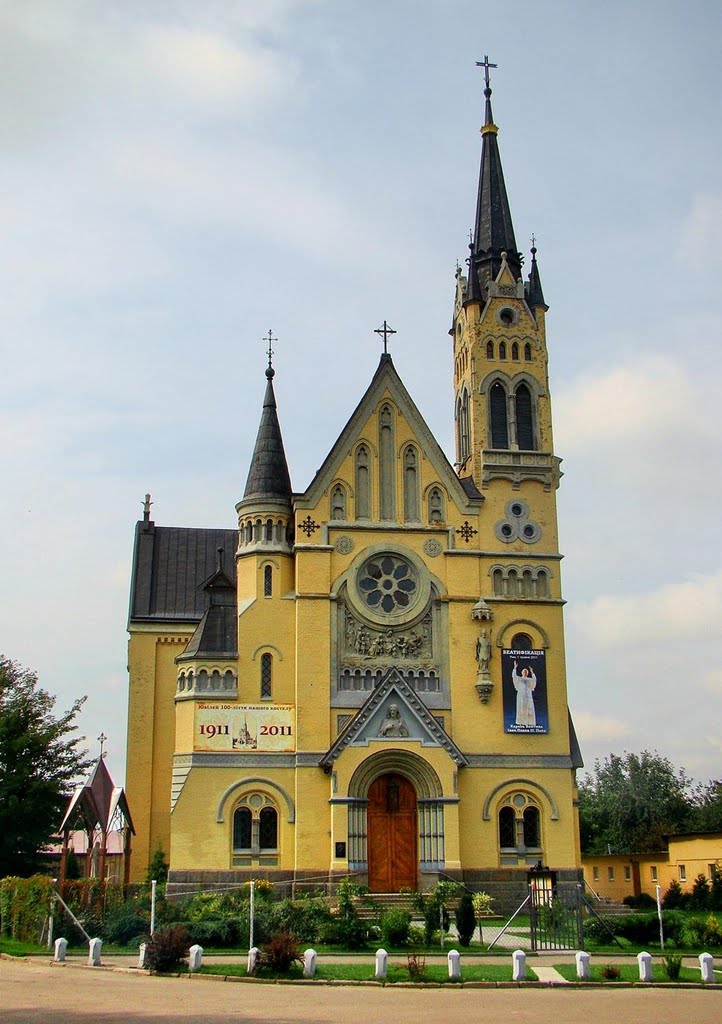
13 947
397 972
628 973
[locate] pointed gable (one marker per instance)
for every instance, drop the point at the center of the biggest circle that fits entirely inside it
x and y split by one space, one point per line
386 382
393 701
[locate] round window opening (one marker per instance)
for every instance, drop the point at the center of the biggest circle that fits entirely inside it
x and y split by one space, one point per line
506 530
506 316
517 510
388 583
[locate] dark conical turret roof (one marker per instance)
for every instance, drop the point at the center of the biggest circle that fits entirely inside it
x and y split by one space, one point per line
534 293
493 228
268 476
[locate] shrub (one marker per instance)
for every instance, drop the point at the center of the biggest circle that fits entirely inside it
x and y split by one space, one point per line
280 953
223 932
305 918
674 897
673 966
610 972
416 966
433 906
482 903
465 918
416 936
699 898
643 901
395 926
702 932
167 948
121 928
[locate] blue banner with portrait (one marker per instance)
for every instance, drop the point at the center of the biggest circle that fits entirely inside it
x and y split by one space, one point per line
524 689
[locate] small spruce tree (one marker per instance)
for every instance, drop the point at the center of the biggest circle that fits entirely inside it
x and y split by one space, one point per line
158 866
465 918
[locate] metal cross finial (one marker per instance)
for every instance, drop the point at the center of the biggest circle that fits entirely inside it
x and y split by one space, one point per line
486 65
101 739
385 331
146 508
533 239
269 352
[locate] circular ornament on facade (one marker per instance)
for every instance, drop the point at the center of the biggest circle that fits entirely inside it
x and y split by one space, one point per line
344 545
507 316
432 548
388 583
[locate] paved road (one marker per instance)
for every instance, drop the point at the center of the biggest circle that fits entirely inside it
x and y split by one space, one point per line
37 993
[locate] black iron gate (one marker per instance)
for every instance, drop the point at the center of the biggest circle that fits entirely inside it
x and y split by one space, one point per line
556 920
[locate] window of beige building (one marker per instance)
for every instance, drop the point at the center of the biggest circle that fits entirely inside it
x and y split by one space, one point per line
595 873
653 870
610 873
683 872
627 872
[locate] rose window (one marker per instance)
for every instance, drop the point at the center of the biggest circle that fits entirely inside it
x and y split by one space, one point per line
387 583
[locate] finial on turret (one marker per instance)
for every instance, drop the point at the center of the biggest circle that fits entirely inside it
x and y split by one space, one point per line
270 372
219 559
385 331
146 508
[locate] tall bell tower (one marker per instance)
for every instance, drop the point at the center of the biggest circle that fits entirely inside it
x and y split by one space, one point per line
502 410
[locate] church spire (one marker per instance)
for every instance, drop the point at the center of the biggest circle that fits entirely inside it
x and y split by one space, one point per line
493 228
268 476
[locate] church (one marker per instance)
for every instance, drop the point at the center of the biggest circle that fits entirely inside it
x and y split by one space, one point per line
367 677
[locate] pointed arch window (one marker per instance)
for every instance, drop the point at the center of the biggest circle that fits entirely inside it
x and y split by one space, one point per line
490 350
515 351
498 416
411 484
363 483
338 502
524 418
502 350
387 468
527 352
436 506
266 676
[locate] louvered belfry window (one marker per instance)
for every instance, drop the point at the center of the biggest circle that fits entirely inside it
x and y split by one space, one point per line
497 416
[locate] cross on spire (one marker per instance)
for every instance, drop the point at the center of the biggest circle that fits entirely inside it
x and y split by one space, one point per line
101 739
269 351
485 64
384 332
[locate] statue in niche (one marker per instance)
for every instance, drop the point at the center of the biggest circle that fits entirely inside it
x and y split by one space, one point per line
393 725
483 653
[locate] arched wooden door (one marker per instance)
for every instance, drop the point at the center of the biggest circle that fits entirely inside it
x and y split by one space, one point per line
391 834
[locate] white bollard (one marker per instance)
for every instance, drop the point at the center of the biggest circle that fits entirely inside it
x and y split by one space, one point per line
309 963
518 959
195 959
253 955
454 960
706 965
382 958
94 948
582 960
645 966
141 954
61 946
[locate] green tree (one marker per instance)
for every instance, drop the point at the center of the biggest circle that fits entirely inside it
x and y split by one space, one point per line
158 866
39 764
707 807
631 802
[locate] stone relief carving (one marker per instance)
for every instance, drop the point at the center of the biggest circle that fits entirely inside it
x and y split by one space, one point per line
363 643
393 725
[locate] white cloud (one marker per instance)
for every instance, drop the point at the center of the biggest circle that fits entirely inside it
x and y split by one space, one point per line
701 231
594 728
684 610
650 399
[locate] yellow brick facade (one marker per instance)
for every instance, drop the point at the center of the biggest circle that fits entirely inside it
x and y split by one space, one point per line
387 621
614 876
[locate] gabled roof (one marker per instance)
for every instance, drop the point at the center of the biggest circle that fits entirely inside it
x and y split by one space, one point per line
418 721
386 377
97 801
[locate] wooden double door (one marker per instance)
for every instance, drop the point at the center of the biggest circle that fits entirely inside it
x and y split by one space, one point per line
391 834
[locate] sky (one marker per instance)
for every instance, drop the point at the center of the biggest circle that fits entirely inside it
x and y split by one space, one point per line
177 178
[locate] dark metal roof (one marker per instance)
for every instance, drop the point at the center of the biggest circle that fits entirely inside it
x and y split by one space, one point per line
467 482
268 476
574 748
493 228
534 293
217 632
170 566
